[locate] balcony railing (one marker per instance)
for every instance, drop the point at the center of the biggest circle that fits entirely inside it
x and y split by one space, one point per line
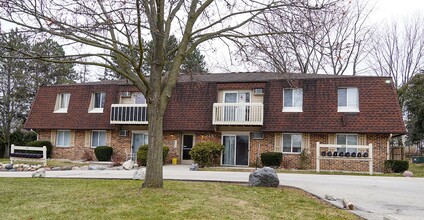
238 114
128 114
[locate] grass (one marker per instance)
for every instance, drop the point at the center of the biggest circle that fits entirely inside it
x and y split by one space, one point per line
118 199
417 169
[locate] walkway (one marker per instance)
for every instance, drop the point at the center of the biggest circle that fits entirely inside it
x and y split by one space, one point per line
375 197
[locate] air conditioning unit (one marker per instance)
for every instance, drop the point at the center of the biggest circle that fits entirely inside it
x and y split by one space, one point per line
123 133
257 135
125 94
258 91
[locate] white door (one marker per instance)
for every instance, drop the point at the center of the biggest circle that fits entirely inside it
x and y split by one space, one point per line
236 112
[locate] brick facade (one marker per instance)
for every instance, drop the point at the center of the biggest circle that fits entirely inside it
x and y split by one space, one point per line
174 140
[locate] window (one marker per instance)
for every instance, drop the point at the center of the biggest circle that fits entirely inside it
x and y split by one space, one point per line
97 102
293 100
292 143
98 138
346 140
63 138
62 102
348 100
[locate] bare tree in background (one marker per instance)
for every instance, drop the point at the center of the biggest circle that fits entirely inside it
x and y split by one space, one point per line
329 37
120 26
398 52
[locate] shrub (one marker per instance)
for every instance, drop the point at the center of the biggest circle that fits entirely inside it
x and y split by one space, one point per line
396 166
207 153
271 158
48 144
142 154
304 159
103 153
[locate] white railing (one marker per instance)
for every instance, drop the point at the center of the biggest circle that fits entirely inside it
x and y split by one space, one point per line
128 114
237 114
363 149
14 156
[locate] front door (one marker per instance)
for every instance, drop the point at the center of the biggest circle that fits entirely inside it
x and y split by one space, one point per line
236 150
188 142
138 139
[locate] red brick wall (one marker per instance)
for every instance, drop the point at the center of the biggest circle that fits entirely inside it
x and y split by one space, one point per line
174 140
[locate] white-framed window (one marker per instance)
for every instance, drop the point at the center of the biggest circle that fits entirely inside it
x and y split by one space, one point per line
62 102
346 140
348 99
292 143
97 102
98 138
292 100
63 138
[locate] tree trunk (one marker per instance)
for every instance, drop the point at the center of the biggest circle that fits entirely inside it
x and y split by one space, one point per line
154 172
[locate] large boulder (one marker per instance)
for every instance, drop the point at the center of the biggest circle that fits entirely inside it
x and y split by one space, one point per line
40 173
408 174
128 165
264 177
139 174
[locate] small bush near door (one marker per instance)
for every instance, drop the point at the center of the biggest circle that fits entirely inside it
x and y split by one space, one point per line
142 154
103 153
206 153
396 166
271 159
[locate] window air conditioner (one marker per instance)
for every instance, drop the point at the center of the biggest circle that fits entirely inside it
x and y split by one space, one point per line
257 135
123 133
258 91
125 94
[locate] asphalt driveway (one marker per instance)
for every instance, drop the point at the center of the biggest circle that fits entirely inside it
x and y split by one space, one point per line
374 197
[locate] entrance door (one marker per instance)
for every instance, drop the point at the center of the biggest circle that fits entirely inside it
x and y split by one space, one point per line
138 139
188 142
236 150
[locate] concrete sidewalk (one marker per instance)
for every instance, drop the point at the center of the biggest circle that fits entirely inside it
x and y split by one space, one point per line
375 197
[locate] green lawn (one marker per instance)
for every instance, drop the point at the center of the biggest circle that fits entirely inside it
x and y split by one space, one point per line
417 169
23 198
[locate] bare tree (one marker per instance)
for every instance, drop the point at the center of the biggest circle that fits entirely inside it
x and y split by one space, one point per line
398 52
328 37
119 27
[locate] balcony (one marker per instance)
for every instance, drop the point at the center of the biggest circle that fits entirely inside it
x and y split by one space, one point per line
130 114
237 114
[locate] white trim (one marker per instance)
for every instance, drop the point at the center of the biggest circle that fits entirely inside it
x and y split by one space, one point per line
57 108
91 138
91 108
348 108
235 134
291 143
292 108
63 146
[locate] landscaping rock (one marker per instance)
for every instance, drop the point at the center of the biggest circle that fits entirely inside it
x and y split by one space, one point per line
128 165
66 168
40 173
84 168
8 166
330 197
102 167
264 177
76 168
54 168
139 174
408 174
92 167
194 167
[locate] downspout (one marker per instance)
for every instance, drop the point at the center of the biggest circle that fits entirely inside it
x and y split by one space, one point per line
388 146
